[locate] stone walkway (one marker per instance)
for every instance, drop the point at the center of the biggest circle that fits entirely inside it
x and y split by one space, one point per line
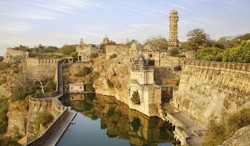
195 130
60 129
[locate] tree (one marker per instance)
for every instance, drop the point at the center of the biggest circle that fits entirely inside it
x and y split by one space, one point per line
158 42
1 58
136 98
67 49
197 39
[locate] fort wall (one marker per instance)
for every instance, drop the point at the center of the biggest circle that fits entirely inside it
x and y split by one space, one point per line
211 90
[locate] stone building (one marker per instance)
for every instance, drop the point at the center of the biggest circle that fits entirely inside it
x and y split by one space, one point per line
110 47
11 54
76 87
173 30
142 81
85 51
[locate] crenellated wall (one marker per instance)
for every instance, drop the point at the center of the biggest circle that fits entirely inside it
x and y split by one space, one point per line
211 90
42 66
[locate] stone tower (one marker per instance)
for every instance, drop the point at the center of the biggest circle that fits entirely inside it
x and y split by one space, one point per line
81 43
173 30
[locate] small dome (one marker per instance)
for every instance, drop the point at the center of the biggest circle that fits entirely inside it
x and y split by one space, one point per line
173 12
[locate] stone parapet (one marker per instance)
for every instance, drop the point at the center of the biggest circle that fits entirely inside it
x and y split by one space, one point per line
221 65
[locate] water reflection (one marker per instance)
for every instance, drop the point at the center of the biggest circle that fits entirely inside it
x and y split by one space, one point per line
121 125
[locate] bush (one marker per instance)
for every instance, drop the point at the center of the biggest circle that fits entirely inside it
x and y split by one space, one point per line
89 87
84 71
1 58
3 80
74 55
4 65
44 119
237 54
110 84
94 78
113 56
135 98
216 134
7 141
50 86
174 52
3 115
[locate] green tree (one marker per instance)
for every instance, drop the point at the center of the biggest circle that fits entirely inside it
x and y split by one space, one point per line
209 54
1 58
158 42
197 39
84 71
136 98
67 49
74 55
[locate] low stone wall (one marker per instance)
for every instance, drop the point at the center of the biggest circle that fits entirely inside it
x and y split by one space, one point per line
40 140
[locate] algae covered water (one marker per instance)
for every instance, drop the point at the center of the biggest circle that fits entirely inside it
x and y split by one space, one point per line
104 121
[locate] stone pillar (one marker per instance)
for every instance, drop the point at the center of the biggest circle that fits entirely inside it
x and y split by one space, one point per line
173 30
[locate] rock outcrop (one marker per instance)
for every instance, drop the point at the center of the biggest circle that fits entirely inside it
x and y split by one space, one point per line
240 138
119 78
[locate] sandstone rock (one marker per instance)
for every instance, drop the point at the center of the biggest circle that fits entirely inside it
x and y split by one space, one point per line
240 138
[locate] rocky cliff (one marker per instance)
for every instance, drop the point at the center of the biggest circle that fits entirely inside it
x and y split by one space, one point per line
117 72
240 138
211 90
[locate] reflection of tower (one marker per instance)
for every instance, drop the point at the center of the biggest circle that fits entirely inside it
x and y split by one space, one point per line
173 30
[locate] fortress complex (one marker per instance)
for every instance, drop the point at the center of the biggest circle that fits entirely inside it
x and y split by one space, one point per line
142 81
85 51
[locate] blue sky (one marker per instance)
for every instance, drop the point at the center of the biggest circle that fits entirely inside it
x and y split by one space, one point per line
59 22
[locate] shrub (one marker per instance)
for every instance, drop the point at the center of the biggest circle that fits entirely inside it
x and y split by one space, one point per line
44 119
89 87
4 65
135 98
1 58
113 56
110 84
3 80
7 141
216 133
50 86
174 52
84 71
3 115
94 78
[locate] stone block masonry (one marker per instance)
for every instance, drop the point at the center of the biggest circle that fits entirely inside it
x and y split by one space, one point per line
212 90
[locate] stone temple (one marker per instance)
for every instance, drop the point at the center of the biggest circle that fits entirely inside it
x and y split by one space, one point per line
173 30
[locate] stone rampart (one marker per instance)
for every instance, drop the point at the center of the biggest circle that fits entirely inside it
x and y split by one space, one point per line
212 90
47 103
220 65
40 140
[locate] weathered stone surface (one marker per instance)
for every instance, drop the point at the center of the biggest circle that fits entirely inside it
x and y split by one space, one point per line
208 92
240 138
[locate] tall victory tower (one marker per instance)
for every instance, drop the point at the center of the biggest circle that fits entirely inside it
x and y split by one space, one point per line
173 30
